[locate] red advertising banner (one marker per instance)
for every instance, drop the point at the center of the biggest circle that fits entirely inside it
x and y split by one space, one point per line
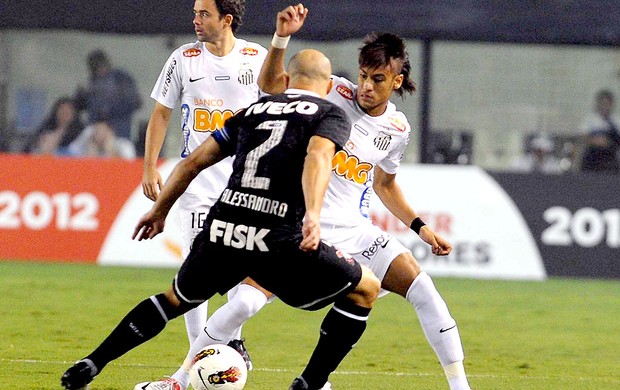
61 208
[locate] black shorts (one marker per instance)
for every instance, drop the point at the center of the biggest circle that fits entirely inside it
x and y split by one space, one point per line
306 280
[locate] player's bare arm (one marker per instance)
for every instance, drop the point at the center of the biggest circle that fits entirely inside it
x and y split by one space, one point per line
155 133
272 75
315 178
152 223
387 189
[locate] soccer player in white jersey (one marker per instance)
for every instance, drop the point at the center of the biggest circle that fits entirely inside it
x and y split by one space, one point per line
368 162
212 79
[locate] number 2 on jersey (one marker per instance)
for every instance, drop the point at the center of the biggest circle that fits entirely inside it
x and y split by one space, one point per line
249 178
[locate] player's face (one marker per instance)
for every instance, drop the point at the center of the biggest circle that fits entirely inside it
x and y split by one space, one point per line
208 23
375 87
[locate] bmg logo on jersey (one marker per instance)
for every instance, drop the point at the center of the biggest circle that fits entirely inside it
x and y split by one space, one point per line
238 236
350 167
209 121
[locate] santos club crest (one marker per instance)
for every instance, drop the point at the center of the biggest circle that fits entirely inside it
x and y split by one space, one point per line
246 77
382 140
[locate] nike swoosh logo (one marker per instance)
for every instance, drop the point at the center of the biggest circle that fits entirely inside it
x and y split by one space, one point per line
191 80
442 330
145 386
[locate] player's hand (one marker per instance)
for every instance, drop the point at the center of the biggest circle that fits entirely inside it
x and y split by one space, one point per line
151 183
311 233
290 20
440 247
150 225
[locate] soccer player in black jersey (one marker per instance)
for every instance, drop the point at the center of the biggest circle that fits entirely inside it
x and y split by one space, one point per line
265 225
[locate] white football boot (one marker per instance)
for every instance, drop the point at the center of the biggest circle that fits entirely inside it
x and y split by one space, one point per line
164 384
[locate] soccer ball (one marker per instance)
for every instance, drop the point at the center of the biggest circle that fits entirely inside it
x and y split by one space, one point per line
218 367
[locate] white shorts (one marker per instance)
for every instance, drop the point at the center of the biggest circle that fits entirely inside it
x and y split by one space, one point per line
367 244
193 210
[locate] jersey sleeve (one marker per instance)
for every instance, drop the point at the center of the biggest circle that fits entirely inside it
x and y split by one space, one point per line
169 85
335 126
226 137
392 161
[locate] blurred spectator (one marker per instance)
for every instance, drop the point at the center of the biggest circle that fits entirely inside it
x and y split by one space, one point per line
99 140
111 96
539 157
61 126
602 136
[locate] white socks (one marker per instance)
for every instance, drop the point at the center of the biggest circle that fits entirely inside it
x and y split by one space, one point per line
439 328
244 301
223 325
195 321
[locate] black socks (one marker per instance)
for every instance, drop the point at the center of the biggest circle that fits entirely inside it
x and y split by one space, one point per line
342 327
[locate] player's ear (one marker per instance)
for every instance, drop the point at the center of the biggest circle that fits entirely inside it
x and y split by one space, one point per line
330 84
398 81
228 20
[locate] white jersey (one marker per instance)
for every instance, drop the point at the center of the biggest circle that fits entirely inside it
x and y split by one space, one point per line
374 140
211 89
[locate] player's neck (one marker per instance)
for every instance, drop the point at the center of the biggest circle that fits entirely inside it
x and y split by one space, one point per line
377 110
222 46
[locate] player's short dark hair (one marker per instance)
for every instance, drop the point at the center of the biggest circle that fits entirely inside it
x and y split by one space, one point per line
380 50
235 8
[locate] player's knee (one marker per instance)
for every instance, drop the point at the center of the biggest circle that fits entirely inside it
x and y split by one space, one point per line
249 300
414 263
403 270
367 290
175 306
407 263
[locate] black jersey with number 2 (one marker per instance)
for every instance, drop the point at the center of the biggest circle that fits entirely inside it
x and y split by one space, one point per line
254 229
269 140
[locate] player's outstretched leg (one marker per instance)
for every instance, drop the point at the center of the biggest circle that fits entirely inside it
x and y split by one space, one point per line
142 323
439 328
195 321
221 326
244 301
405 278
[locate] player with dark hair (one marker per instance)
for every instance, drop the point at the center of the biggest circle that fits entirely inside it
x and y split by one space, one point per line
234 8
378 139
388 50
368 162
211 79
265 225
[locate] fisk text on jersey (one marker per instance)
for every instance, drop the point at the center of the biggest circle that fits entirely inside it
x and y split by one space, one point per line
238 236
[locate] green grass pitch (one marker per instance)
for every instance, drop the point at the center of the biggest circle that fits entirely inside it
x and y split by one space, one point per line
559 334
